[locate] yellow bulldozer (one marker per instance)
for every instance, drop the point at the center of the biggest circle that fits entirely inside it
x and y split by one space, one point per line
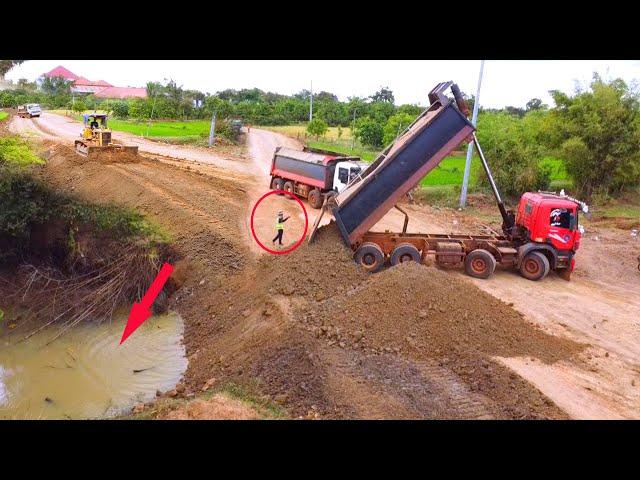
96 137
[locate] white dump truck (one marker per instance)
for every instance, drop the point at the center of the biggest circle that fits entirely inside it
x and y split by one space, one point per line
29 110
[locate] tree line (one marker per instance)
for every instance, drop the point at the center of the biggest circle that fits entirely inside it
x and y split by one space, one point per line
595 130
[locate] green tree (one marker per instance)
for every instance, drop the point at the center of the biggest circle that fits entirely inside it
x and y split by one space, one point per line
383 95
120 108
534 104
317 127
6 65
513 156
154 89
223 108
55 86
79 106
395 125
413 110
597 132
369 132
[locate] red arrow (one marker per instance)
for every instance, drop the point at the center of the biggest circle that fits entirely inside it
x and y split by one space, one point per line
142 310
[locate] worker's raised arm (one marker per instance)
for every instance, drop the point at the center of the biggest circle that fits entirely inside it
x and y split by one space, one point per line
285 219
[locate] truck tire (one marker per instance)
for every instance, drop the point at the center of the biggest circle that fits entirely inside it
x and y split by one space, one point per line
288 187
480 264
277 184
534 266
370 257
405 252
315 198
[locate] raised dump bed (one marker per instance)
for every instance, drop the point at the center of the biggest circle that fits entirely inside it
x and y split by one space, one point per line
399 168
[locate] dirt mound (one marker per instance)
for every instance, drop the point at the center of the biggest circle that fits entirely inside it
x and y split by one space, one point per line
308 326
426 312
317 271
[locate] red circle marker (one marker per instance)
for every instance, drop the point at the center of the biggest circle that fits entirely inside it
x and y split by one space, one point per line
306 223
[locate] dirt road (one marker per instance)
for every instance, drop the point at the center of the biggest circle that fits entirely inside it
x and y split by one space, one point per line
206 206
51 126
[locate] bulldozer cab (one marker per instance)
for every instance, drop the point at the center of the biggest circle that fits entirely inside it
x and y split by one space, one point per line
95 121
95 128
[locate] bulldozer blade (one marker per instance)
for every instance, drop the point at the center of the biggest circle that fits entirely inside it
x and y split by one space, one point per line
130 149
82 150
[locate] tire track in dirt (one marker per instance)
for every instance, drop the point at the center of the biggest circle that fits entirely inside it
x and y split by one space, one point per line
165 190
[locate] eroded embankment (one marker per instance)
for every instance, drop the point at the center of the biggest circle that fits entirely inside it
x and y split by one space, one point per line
64 261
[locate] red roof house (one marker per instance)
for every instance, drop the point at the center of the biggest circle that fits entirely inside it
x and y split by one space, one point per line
99 88
122 92
60 71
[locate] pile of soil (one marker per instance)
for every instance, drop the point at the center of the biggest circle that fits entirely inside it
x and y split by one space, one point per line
317 271
309 326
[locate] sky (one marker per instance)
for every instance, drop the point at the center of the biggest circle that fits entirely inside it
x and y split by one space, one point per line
505 82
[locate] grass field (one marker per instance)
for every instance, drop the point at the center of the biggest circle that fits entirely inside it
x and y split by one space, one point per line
300 132
451 169
170 129
3 115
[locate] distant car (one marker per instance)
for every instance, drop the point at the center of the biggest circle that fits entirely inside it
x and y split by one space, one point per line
29 110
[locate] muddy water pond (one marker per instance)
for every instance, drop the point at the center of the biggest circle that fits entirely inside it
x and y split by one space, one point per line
86 374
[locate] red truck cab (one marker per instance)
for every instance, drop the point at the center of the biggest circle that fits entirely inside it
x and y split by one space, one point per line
549 223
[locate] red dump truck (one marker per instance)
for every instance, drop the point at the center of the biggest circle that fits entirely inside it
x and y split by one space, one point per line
544 234
313 173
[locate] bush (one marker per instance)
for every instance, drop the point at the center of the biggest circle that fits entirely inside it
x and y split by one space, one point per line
79 106
396 125
24 202
369 132
317 127
120 109
15 151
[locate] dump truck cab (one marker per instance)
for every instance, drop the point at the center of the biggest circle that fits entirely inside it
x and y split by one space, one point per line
346 172
550 219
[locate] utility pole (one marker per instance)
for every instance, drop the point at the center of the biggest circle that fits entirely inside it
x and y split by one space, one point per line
153 106
212 131
474 120
353 129
311 103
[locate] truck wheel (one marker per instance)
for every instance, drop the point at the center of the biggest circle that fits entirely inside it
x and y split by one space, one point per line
277 184
370 257
405 252
288 187
479 264
534 266
315 198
